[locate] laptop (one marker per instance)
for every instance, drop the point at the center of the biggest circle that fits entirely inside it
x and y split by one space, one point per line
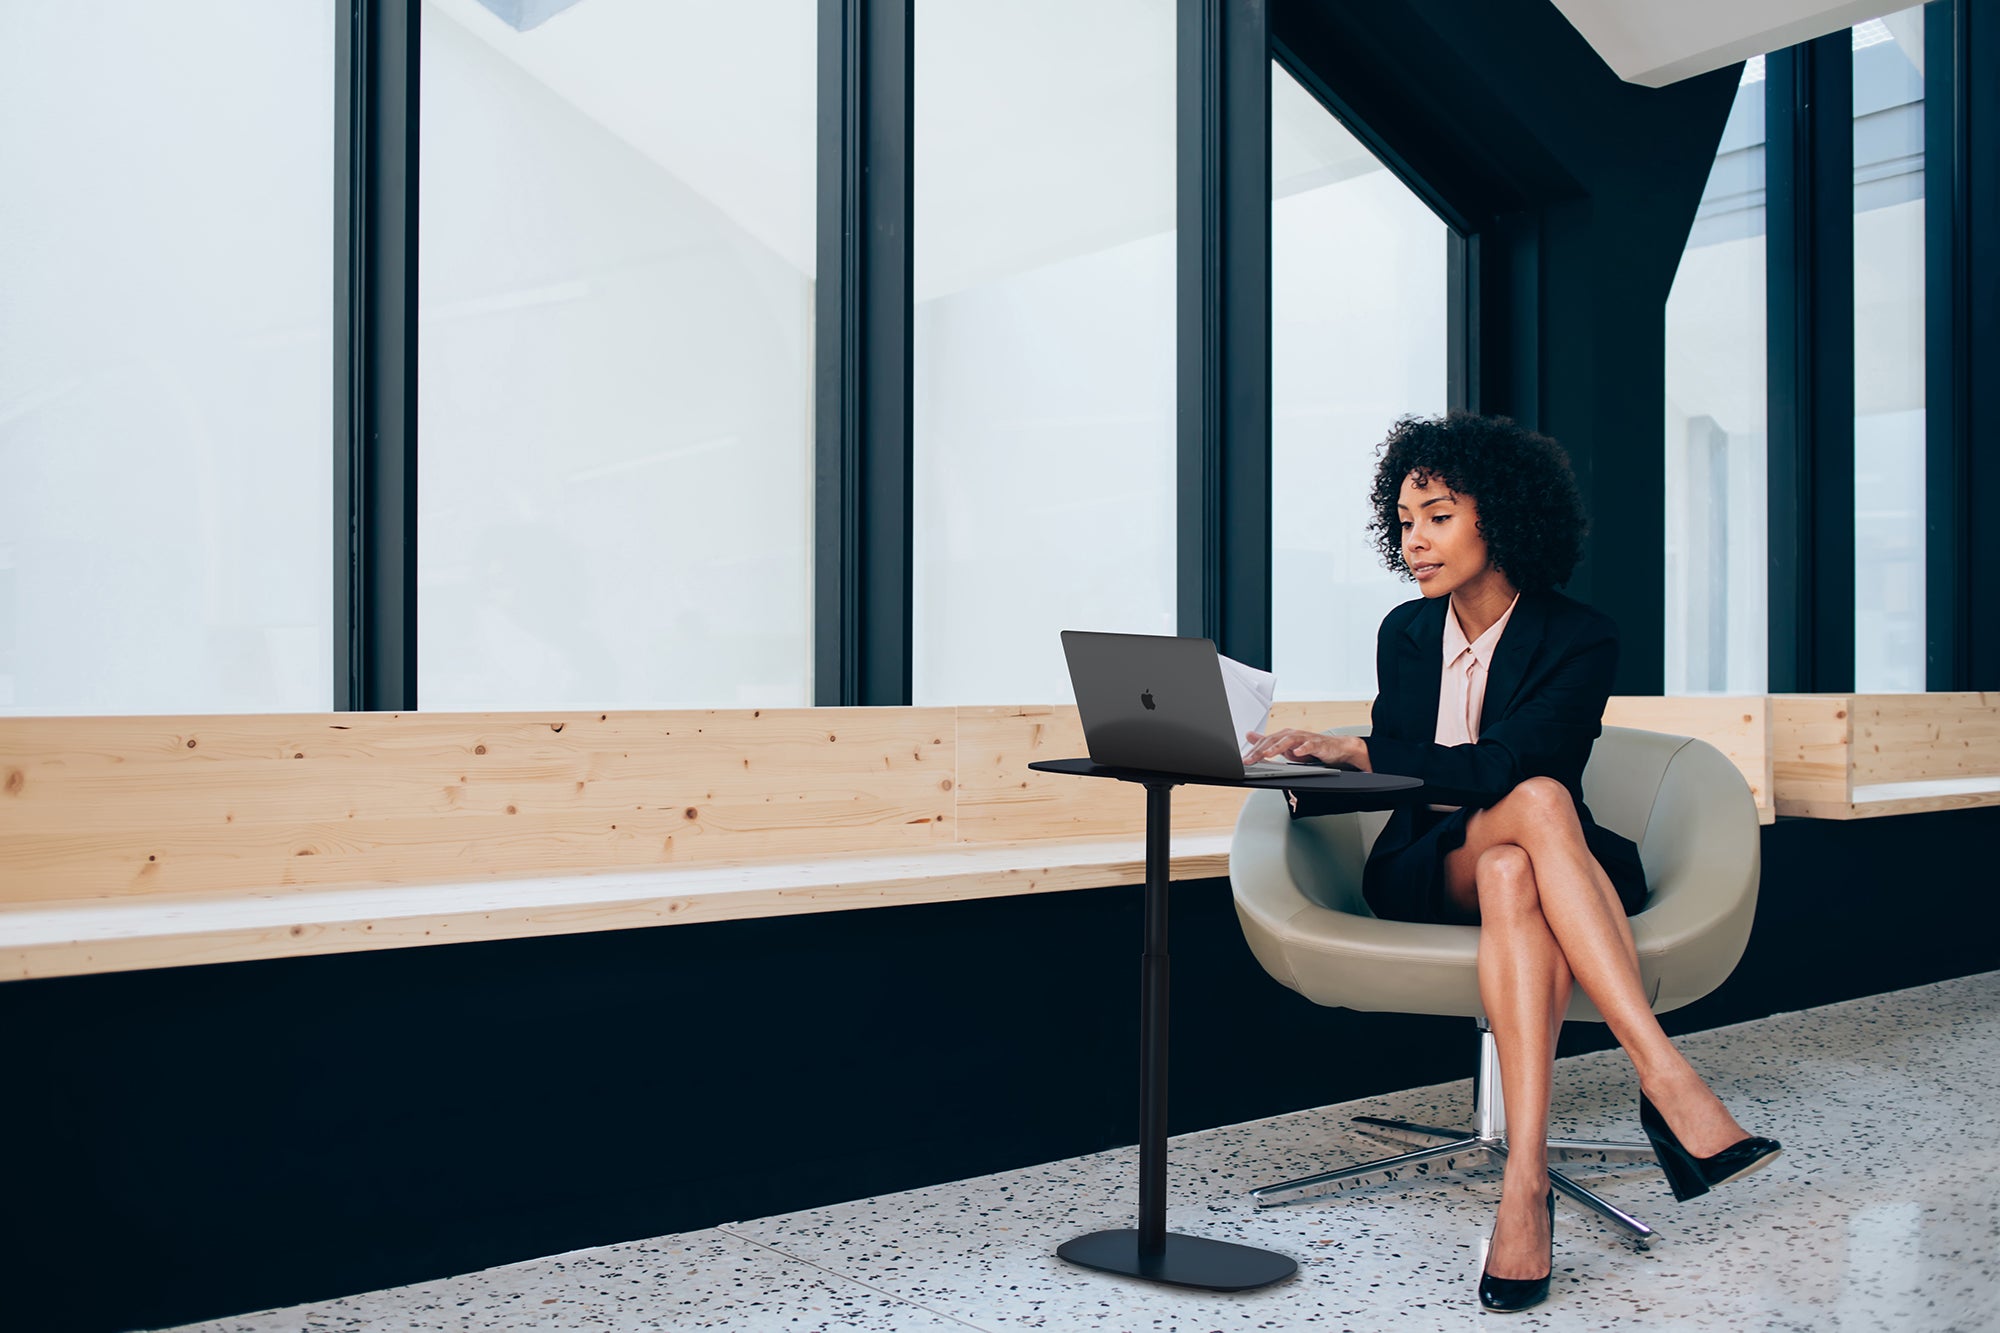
1154 701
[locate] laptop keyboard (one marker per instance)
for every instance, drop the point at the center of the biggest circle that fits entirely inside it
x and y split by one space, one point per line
1268 767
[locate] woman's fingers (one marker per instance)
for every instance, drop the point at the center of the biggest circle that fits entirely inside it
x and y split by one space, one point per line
1277 742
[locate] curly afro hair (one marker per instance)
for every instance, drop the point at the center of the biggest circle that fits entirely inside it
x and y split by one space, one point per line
1529 510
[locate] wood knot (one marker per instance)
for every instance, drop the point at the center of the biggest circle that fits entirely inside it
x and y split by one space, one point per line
190 742
945 785
512 811
300 754
691 812
831 737
479 749
16 780
555 726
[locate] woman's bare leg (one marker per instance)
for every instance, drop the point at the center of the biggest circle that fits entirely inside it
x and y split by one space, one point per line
1583 914
1524 984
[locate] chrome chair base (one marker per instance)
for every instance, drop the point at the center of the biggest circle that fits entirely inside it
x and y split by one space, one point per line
1437 1151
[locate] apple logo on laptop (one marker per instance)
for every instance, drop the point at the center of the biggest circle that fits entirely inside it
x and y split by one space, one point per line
1147 699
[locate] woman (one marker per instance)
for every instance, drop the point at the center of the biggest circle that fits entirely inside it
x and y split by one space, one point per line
1492 688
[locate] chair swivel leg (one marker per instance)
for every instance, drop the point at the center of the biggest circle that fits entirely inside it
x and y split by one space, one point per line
1445 1150
1459 1155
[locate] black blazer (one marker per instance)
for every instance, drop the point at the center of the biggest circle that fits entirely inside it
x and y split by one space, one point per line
1545 696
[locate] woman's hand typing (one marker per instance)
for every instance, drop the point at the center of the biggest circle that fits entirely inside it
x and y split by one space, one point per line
1351 751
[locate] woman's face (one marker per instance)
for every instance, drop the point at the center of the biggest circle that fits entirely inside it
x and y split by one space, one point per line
1441 541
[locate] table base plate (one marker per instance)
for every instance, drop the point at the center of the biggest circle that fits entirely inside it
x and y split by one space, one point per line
1187 1261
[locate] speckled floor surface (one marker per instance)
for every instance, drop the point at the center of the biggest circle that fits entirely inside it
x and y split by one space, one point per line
1880 1215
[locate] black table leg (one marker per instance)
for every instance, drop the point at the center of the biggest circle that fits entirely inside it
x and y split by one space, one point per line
1151 1251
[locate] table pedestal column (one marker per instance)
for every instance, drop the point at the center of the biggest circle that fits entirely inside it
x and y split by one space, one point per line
1151 1251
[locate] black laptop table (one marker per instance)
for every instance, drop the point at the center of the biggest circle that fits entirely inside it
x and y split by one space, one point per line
1151 1251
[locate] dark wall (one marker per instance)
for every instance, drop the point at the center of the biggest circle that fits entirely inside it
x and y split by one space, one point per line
202 1141
1975 302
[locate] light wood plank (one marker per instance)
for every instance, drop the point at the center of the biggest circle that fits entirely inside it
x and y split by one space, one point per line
1321 715
107 935
92 806
1812 737
1868 756
328 824
1927 737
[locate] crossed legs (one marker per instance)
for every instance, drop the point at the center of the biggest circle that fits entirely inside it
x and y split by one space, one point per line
1548 917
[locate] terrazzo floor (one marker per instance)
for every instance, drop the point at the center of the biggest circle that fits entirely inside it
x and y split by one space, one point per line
1879 1215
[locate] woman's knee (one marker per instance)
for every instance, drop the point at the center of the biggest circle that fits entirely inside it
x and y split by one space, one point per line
1505 877
1543 804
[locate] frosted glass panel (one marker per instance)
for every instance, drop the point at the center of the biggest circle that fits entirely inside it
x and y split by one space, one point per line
1044 338
1717 618
1358 306
1889 544
616 306
166 360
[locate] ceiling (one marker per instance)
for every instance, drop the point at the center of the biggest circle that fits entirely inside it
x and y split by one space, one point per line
1665 41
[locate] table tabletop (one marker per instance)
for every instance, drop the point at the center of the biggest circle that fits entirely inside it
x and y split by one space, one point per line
1333 781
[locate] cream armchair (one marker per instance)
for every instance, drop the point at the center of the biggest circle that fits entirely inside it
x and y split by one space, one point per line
1298 895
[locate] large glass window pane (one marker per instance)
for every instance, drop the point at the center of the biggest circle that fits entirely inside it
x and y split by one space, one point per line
1889 648
166 280
1044 337
1358 306
1716 631
616 282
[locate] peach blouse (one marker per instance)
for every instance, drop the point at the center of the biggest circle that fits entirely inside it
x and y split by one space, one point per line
1462 687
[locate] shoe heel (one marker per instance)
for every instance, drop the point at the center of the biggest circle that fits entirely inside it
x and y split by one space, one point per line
1689 1176
1683 1176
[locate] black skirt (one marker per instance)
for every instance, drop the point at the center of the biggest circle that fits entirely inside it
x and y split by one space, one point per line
1409 884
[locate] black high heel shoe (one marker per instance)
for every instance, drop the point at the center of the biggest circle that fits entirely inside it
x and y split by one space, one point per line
1689 1176
1510 1295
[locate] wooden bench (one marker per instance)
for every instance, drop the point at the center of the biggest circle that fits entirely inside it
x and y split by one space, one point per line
130 843
1857 756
